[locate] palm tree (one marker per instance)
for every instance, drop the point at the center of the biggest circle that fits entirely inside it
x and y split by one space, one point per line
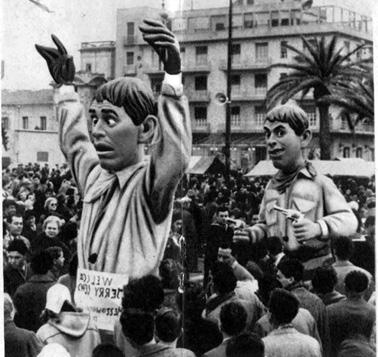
321 68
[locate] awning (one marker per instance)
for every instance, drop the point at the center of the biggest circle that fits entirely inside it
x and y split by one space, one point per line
359 168
202 164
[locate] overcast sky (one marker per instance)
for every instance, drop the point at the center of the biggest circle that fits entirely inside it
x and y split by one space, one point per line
76 21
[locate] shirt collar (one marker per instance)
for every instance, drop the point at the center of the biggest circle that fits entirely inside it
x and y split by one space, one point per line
125 174
308 171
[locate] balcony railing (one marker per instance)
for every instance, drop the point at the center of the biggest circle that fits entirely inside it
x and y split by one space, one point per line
200 125
97 45
247 65
129 69
197 95
195 67
247 95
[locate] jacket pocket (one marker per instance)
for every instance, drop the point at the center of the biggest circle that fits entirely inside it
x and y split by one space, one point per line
305 206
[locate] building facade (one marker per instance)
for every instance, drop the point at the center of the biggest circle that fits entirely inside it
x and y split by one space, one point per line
260 30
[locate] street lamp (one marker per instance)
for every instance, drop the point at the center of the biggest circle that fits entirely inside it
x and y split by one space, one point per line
228 102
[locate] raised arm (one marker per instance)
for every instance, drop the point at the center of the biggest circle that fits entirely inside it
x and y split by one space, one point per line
73 132
172 149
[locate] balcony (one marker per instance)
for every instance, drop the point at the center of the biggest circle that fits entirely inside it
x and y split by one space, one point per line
197 95
129 40
129 70
200 126
96 45
196 67
256 94
247 65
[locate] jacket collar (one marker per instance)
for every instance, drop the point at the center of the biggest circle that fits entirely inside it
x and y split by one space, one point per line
41 278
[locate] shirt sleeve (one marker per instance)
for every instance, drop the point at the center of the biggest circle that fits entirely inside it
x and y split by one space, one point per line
339 220
171 147
74 139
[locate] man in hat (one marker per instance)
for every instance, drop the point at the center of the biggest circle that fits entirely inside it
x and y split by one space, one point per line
127 199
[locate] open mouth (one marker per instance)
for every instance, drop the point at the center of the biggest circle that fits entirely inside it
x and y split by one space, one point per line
276 152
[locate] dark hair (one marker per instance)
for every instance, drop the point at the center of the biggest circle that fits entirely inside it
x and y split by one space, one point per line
138 326
245 345
233 318
370 221
324 279
18 245
9 202
283 306
167 325
192 302
41 262
131 94
107 350
224 279
169 274
68 231
145 293
274 245
72 268
343 247
291 268
10 217
356 281
266 285
222 209
292 114
54 252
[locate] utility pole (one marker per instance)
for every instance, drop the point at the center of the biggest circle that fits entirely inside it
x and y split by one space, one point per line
227 148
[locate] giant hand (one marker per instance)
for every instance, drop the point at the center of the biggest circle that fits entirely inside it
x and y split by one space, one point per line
60 64
164 43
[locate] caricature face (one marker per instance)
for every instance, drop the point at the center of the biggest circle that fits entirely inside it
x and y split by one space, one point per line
284 145
115 136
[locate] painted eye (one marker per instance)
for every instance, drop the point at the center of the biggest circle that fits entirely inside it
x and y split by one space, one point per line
94 120
280 133
111 122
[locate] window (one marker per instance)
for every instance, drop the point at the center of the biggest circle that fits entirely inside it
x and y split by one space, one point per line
200 116
5 123
359 152
311 115
261 83
43 123
344 123
261 52
88 67
260 115
130 29
201 55
200 83
235 50
42 156
248 20
219 26
25 123
283 49
235 116
129 58
235 83
156 85
346 152
275 18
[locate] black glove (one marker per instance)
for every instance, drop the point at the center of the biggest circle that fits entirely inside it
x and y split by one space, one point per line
60 64
164 43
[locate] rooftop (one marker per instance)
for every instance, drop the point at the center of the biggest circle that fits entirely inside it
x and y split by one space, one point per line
23 97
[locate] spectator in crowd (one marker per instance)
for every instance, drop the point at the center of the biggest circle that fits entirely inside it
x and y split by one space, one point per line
171 275
175 248
290 274
354 316
200 335
17 271
285 340
75 331
30 297
107 350
167 331
18 342
69 279
50 207
323 284
218 235
224 284
30 228
275 254
9 208
15 223
343 250
233 319
58 261
245 345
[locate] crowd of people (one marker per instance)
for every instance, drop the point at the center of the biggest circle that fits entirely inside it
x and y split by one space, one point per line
254 300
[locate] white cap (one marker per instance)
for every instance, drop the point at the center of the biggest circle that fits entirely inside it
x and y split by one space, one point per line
53 349
184 199
56 296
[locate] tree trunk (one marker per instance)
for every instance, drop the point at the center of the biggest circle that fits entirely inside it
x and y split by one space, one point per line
324 132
